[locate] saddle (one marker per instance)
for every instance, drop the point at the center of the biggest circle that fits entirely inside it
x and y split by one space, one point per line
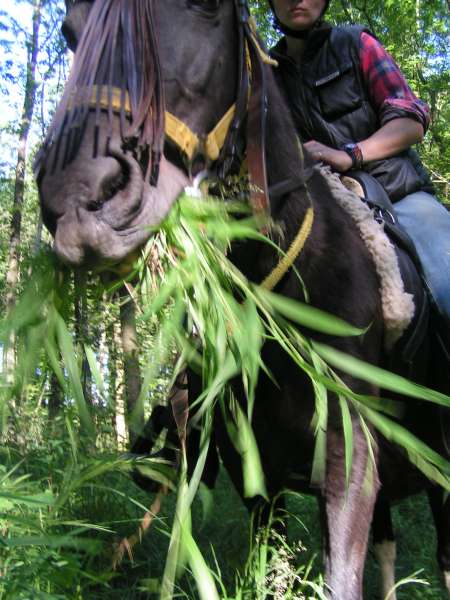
411 353
405 355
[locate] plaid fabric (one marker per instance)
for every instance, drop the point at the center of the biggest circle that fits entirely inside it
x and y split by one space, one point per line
388 90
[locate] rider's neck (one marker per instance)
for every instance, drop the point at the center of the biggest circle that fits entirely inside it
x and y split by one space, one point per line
295 48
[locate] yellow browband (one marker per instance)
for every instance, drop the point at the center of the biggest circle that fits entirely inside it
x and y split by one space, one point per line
177 131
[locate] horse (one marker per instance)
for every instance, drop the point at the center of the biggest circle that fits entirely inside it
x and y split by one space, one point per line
158 91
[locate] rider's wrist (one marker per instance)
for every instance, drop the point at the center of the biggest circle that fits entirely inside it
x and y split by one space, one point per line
355 153
345 162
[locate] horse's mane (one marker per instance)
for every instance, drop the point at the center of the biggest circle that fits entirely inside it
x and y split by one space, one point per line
118 49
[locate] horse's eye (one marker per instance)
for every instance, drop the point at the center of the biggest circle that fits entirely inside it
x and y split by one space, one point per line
210 5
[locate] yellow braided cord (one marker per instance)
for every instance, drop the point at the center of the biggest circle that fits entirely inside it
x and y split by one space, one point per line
268 60
176 130
294 251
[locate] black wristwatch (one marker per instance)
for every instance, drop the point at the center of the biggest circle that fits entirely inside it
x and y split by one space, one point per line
355 153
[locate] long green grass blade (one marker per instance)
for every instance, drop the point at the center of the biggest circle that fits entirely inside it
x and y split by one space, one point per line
69 356
307 315
379 377
320 425
203 578
243 438
432 465
347 428
95 370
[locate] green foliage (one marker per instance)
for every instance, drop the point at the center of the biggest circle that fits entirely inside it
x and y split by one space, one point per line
58 532
192 243
65 494
15 41
48 526
274 568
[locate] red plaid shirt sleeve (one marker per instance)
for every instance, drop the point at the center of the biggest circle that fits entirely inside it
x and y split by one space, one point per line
388 90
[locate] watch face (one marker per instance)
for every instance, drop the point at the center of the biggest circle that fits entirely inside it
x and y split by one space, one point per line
354 151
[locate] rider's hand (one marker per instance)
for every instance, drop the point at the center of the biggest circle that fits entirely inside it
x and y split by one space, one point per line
337 159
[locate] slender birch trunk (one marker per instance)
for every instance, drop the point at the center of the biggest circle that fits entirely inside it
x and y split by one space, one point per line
117 391
12 274
132 374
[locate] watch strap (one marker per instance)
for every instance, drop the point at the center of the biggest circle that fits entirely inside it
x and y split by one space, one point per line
355 153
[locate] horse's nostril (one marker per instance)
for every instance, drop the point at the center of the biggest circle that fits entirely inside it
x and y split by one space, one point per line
94 205
111 187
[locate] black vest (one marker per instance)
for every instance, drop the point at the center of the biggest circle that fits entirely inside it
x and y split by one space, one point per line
329 102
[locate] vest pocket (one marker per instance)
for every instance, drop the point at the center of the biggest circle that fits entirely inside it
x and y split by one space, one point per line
338 92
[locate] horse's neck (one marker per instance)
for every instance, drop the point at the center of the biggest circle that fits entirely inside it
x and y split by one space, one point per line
285 169
286 161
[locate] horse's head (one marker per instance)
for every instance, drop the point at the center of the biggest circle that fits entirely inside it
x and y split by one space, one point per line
110 168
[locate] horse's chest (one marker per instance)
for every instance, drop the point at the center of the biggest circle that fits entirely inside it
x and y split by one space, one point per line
282 422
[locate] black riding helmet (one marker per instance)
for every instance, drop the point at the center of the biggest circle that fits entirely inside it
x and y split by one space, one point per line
293 32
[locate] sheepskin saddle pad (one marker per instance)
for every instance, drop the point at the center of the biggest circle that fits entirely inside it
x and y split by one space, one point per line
404 300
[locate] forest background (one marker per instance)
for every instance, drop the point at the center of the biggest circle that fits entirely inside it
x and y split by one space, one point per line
41 428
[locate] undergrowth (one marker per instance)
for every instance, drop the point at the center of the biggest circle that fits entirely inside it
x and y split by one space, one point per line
66 499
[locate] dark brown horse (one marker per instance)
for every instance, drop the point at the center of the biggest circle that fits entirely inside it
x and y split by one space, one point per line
107 171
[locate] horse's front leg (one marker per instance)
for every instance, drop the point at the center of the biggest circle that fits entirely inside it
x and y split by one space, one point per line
440 507
347 514
384 546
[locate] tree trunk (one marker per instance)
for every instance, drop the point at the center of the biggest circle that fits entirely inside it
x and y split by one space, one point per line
132 374
38 235
12 275
55 399
116 386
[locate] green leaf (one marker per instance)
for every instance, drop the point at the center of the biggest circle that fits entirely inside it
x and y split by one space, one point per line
347 428
243 438
202 575
378 376
307 315
43 499
174 559
96 373
69 356
320 424
432 465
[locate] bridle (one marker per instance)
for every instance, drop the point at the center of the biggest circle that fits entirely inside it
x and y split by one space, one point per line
220 147
251 106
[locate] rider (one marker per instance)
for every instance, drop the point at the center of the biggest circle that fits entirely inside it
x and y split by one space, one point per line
354 110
